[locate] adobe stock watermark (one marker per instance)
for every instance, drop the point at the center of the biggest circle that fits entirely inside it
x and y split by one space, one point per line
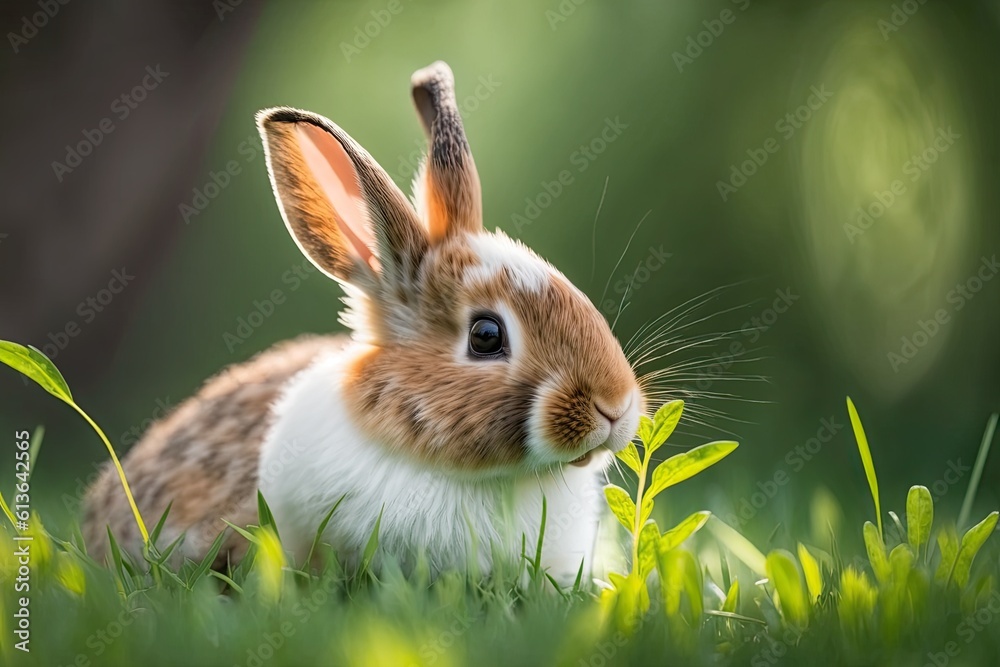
408 165
631 283
579 161
786 127
264 308
431 651
748 507
752 329
914 168
697 43
791 635
562 12
32 23
967 630
223 7
369 31
121 108
202 196
927 329
87 311
101 639
74 503
900 14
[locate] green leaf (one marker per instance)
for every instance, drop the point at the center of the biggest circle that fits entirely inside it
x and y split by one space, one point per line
35 365
866 460
647 508
678 468
207 561
947 540
740 546
630 456
732 601
155 535
247 535
784 574
264 517
919 517
369 552
674 537
622 505
972 542
664 422
648 538
229 582
876 552
680 579
811 571
630 600
645 431
31 363
901 563
6 510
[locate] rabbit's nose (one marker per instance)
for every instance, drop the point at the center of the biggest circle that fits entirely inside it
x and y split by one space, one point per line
614 412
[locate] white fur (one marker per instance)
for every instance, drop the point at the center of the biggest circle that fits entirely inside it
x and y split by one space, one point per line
314 454
498 252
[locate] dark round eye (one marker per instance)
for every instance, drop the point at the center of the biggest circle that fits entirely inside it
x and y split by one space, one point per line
486 337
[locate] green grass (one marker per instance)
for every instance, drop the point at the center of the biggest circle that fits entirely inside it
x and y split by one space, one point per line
923 592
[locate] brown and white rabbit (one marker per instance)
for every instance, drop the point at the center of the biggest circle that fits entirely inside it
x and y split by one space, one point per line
478 379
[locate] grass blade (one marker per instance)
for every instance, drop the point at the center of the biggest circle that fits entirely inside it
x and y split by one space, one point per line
866 460
229 582
977 469
740 546
541 537
36 446
321 530
369 553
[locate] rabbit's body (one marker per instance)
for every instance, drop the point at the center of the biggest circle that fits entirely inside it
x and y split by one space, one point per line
315 454
479 380
201 459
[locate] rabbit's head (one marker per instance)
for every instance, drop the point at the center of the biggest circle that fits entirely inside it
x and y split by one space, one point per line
479 356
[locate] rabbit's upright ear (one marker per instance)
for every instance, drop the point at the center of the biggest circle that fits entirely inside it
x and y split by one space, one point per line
340 206
449 192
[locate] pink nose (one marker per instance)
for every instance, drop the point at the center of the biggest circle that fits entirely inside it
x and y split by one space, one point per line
613 414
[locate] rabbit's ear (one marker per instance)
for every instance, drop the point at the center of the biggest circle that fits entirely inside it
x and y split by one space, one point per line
342 209
450 194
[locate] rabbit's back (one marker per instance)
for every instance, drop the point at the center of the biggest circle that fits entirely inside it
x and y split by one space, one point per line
202 457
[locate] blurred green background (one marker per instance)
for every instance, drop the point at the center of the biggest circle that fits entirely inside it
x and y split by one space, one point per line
809 112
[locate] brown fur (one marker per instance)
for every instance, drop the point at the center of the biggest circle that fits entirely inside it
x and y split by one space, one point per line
454 200
203 457
473 414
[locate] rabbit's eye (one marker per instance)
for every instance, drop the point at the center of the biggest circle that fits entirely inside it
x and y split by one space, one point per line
486 337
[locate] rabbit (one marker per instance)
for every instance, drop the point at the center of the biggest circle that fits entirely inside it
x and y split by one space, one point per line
477 381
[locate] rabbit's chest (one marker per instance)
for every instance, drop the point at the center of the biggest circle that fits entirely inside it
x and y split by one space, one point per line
314 458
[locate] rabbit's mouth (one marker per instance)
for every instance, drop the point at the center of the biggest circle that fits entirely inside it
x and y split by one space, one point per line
583 460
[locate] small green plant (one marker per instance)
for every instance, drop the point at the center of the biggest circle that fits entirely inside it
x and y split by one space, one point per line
679 573
909 569
34 365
